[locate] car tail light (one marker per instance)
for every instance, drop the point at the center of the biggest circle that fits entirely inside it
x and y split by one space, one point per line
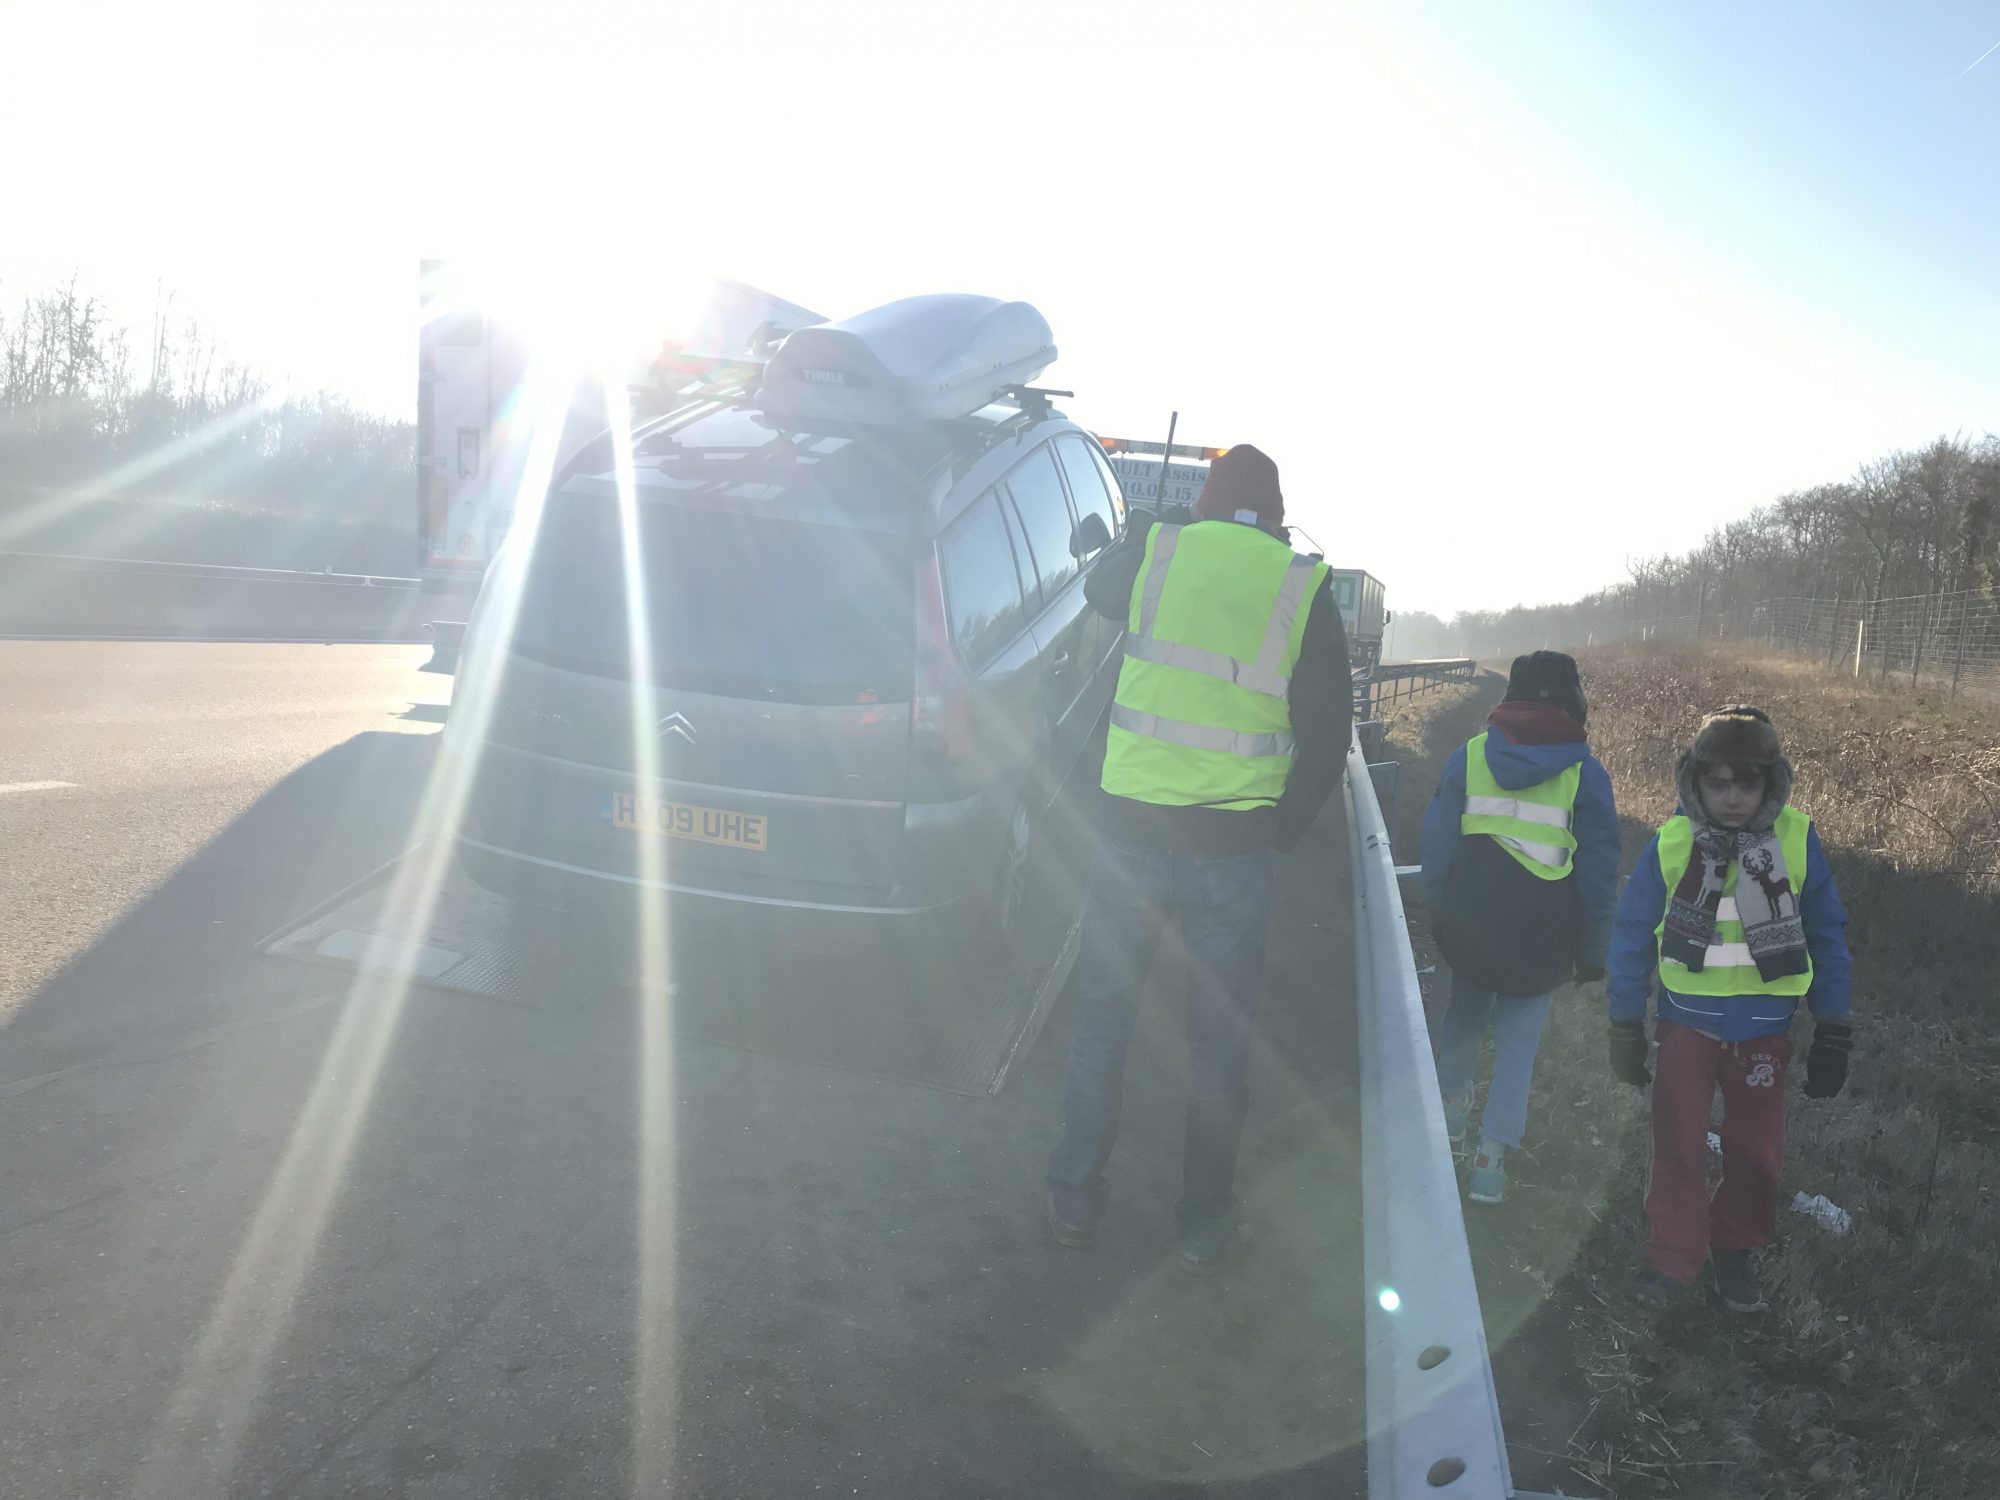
941 695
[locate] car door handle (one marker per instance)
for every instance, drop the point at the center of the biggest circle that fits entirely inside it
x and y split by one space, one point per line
1059 662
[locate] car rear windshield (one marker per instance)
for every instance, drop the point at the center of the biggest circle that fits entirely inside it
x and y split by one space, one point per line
736 604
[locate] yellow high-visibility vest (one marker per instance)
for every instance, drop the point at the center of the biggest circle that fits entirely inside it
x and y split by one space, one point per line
1200 717
1727 968
1535 823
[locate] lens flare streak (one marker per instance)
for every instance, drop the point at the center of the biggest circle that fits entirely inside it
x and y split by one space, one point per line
207 1418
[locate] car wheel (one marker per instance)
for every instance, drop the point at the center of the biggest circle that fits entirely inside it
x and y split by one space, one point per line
992 921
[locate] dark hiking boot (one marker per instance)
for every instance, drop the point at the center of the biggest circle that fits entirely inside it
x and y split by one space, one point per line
1735 1278
1070 1236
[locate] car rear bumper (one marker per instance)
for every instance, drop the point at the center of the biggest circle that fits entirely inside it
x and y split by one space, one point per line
564 886
531 829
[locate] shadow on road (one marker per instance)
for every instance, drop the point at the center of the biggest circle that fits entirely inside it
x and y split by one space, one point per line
269 1229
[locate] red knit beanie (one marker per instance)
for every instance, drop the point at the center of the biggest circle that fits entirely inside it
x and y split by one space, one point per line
1242 479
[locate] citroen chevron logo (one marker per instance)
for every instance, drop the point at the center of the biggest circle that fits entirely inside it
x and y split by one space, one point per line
675 723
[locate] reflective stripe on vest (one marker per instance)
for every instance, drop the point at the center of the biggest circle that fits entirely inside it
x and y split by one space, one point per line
1212 635
1199 736
1270 673
1532 823
1727 967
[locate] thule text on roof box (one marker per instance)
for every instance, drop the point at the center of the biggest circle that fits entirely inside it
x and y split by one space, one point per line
919 359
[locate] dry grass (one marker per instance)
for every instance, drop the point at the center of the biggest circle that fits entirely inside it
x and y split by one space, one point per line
1418 732
1872 1375
1411 723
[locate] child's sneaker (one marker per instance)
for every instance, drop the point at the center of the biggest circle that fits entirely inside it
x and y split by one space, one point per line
1736 1281
1457 1115
1487 1182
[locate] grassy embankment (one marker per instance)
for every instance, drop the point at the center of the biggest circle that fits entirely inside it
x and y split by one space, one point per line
1871 1377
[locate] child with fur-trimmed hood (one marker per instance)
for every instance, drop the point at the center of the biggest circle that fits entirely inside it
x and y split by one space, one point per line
1520 859
1733 909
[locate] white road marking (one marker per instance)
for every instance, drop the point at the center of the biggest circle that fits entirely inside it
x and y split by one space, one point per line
33 786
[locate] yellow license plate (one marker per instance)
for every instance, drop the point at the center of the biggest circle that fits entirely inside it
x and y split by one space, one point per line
686 820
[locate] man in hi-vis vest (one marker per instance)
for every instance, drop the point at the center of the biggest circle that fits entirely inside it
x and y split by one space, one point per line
1228 732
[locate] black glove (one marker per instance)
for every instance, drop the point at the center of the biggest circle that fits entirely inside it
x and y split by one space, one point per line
1826 1059
1628 1053
1589 973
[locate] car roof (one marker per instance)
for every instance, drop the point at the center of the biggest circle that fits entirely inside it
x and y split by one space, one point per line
916 477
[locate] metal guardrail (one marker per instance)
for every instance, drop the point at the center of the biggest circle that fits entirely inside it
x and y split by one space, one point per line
1375 687
223 571
51 596
1433 1414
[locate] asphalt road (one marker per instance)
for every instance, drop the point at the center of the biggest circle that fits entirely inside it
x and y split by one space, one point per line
271 1230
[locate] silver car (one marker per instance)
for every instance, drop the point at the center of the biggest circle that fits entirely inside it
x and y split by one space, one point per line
862 668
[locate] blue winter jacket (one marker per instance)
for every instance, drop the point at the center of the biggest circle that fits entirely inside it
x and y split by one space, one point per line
1594 867
1734 1018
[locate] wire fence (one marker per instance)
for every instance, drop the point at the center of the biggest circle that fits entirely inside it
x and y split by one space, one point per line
1948 641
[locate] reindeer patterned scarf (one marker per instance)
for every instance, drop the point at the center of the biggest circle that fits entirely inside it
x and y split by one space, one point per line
1765 903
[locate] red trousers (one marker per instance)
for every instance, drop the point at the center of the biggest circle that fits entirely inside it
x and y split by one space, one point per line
1686 1223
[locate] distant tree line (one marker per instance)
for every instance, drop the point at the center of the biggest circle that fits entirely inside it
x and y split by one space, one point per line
1918 524
82 408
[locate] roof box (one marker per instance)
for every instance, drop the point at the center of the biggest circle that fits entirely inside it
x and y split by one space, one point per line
920 359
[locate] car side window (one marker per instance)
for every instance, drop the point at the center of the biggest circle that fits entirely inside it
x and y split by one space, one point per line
1110 480
982 586
1090 485
1045 517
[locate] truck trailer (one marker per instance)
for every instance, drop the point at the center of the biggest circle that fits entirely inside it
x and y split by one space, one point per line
1360 596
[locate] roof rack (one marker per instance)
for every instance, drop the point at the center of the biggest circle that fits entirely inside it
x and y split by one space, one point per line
1035 401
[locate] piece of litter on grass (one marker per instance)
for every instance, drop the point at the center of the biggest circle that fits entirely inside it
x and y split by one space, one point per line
1829 1214
1714 1141
1431 970
1203 1451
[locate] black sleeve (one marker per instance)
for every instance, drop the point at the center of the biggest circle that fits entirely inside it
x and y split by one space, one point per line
1322 710
1108 585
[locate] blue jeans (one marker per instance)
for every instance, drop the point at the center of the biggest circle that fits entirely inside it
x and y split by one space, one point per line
1224 911
1517 1035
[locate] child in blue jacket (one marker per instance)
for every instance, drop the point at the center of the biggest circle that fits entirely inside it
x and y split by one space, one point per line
1734 908
1520 866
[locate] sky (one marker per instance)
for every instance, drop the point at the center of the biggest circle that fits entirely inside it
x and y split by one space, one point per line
1512 293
